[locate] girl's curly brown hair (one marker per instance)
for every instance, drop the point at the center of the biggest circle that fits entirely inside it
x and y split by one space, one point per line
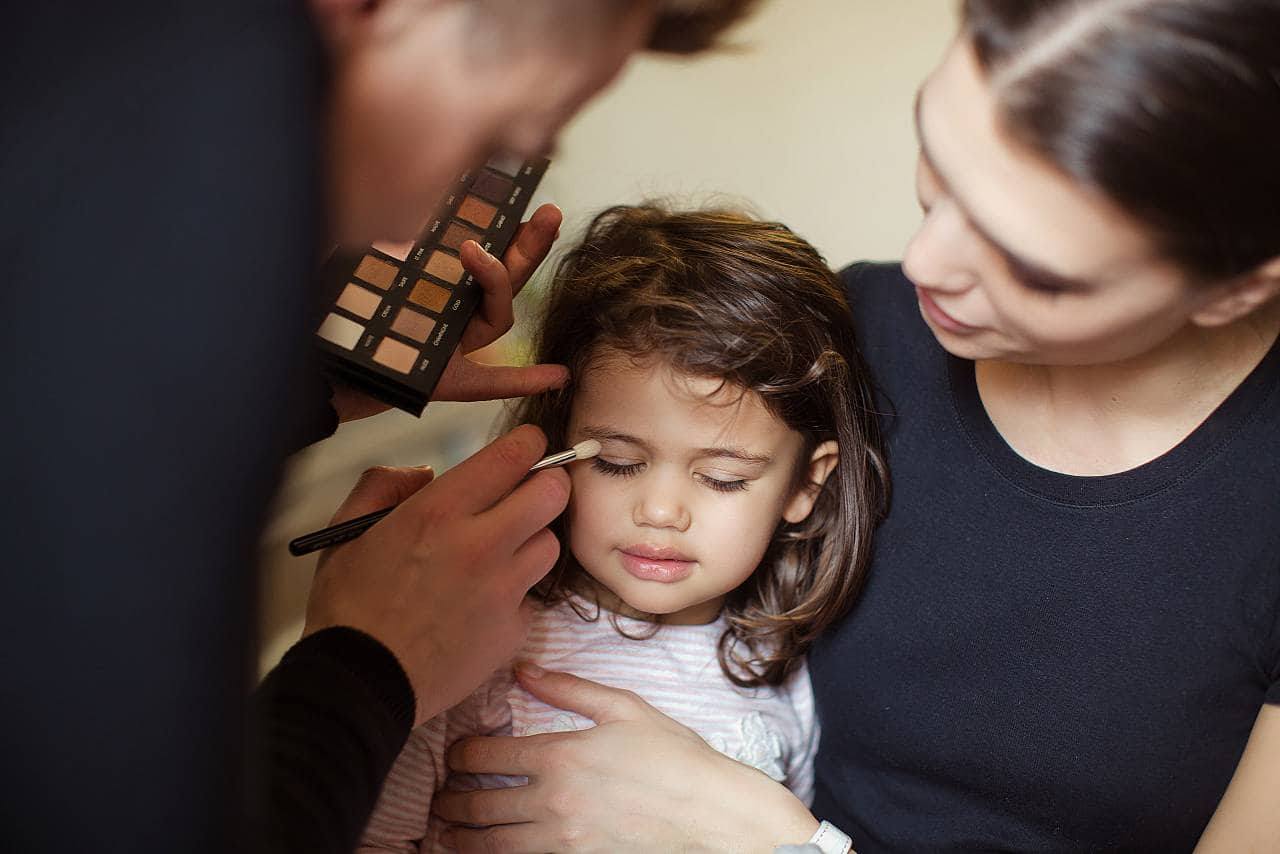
717 294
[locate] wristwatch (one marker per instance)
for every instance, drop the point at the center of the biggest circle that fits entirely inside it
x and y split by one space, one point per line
827 839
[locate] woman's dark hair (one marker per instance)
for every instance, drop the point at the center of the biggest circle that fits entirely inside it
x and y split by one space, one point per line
715 294
1170 108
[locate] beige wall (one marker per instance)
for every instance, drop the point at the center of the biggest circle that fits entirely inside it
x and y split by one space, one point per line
809 122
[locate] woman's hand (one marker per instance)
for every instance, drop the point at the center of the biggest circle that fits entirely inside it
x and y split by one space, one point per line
464 378
637 781
441 580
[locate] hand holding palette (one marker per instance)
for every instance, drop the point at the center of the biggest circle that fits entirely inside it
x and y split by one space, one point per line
396 314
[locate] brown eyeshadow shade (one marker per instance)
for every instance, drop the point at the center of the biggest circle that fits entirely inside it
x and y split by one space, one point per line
445 267
361 302
414 326
397 356
477 211
457 234
377 272
430 296
491 186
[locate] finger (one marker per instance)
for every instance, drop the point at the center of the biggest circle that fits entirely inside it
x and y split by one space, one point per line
504 754
532 242
531 506
465 379
381 487
479 481
485 806
494 317
533 560
600 703
525 838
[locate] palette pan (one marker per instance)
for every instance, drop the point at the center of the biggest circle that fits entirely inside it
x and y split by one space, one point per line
396 312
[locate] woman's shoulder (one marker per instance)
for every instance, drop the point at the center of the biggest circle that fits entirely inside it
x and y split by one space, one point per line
892 335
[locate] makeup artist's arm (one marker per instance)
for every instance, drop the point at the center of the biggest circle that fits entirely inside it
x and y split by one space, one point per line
402 623
465 378
588 793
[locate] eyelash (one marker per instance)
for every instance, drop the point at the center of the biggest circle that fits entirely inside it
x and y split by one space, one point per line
615 470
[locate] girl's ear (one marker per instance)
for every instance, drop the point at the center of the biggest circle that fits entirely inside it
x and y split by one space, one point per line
821 463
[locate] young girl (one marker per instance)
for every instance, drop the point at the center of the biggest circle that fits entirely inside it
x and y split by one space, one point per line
725 522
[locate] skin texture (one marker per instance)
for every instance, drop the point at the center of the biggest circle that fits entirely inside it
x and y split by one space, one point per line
663 481
1090 381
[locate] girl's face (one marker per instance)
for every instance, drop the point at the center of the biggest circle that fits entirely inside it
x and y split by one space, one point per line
690 485
1016 262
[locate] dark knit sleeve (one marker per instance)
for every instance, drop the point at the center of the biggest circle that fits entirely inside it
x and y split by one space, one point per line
331 719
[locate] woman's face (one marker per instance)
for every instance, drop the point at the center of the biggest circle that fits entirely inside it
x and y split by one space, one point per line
1013 261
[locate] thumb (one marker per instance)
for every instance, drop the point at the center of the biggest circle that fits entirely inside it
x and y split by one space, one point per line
600 703
470 380
382 486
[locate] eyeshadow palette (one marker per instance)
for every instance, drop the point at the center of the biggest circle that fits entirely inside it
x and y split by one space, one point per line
395 313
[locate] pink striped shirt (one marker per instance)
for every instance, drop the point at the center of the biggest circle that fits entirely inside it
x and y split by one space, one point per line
772 729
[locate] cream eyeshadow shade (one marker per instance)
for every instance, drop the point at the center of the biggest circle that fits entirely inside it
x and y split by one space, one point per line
445 267
430 296
341 331
397 356
359 301
377 272
399 251
414 326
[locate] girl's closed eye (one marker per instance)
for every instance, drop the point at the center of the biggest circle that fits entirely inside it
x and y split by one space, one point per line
616 469
723 483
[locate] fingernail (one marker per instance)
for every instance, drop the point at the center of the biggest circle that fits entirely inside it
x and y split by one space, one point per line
483 252
426 469
530 670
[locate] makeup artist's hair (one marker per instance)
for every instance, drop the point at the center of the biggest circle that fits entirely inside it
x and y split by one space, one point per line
1170 108
715 294
692 26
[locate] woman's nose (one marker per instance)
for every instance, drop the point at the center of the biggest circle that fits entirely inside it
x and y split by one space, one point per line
940 254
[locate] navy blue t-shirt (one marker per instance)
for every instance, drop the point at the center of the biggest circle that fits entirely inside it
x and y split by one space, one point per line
1041 661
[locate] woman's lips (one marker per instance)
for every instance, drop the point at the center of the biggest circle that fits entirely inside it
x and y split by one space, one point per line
651 563
940 317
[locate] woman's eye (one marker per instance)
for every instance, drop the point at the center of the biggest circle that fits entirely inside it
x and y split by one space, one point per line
722 485
603 466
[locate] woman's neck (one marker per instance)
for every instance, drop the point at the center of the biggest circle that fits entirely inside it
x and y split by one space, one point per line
1105 419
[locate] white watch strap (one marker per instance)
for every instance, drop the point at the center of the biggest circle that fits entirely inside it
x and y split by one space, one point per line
827 839
830 840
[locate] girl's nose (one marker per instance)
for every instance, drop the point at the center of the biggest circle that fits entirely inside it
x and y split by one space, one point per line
661 507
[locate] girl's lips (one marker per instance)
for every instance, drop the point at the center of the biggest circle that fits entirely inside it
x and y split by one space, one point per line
666 566
940 317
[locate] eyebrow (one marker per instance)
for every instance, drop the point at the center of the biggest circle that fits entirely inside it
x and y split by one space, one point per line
1021 268
730 452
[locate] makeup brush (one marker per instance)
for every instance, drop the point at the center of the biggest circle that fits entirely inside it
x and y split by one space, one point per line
352 528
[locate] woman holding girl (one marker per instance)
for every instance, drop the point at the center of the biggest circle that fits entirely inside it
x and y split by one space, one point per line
1070 635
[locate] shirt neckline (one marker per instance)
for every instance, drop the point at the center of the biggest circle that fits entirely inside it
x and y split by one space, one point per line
1196 450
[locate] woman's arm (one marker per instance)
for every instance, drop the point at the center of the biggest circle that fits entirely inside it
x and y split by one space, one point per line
1248 818
638 781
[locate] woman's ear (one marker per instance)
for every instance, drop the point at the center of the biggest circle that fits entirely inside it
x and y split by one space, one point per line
1239 298
821 463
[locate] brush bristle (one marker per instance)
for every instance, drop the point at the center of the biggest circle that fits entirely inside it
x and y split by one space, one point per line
586 449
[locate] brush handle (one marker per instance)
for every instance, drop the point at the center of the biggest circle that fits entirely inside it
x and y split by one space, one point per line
336 534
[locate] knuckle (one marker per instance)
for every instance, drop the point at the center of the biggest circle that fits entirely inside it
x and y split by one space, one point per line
572 837
563 804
